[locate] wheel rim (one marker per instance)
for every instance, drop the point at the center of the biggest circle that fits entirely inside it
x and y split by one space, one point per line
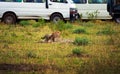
9 20
118 20
56 19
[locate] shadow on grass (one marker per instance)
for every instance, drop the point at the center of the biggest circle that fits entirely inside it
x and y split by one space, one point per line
28 68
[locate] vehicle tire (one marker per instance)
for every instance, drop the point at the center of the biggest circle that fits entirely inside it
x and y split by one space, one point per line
56 18
117 20
9 18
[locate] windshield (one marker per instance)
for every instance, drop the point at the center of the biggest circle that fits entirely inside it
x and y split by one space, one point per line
80 1
71 1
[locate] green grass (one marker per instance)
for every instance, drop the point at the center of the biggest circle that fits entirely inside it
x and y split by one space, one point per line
76 51
24 23
81 41
80 31
106 31
20 47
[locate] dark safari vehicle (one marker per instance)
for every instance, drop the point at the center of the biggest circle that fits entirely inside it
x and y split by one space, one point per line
113 7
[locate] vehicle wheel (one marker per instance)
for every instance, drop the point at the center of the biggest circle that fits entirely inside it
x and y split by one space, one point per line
56 18
9 18
117 20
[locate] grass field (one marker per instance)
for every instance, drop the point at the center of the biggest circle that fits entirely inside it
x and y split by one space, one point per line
95 48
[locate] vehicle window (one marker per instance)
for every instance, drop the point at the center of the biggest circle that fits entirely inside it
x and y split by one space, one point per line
10 0
59 1
97 1
34 1
80 1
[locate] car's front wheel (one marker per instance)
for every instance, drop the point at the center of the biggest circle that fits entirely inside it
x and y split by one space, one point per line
56 18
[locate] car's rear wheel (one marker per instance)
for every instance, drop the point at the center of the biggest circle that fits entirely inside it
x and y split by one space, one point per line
117 19
9 18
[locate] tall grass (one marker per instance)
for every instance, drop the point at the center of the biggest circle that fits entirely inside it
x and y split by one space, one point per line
20 47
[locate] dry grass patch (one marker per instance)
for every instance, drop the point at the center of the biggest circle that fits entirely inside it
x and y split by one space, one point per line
20 46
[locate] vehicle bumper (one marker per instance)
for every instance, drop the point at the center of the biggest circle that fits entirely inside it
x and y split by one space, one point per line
74 16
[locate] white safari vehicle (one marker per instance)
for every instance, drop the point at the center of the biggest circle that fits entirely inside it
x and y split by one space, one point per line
92 9
54 10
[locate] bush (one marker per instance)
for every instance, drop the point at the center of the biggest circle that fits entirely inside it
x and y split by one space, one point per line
79 30
68 25
62 26
106 31
81 41
31 54
24 23
76 51
31 22
36 25
41 21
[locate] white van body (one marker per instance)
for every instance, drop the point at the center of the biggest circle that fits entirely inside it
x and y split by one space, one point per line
87 8
36 10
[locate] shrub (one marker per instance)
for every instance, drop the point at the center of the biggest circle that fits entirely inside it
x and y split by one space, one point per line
63 26
36 25
41 21
68 25
81 41
24 23
31 22
79 30
31 54
76 51
106 31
